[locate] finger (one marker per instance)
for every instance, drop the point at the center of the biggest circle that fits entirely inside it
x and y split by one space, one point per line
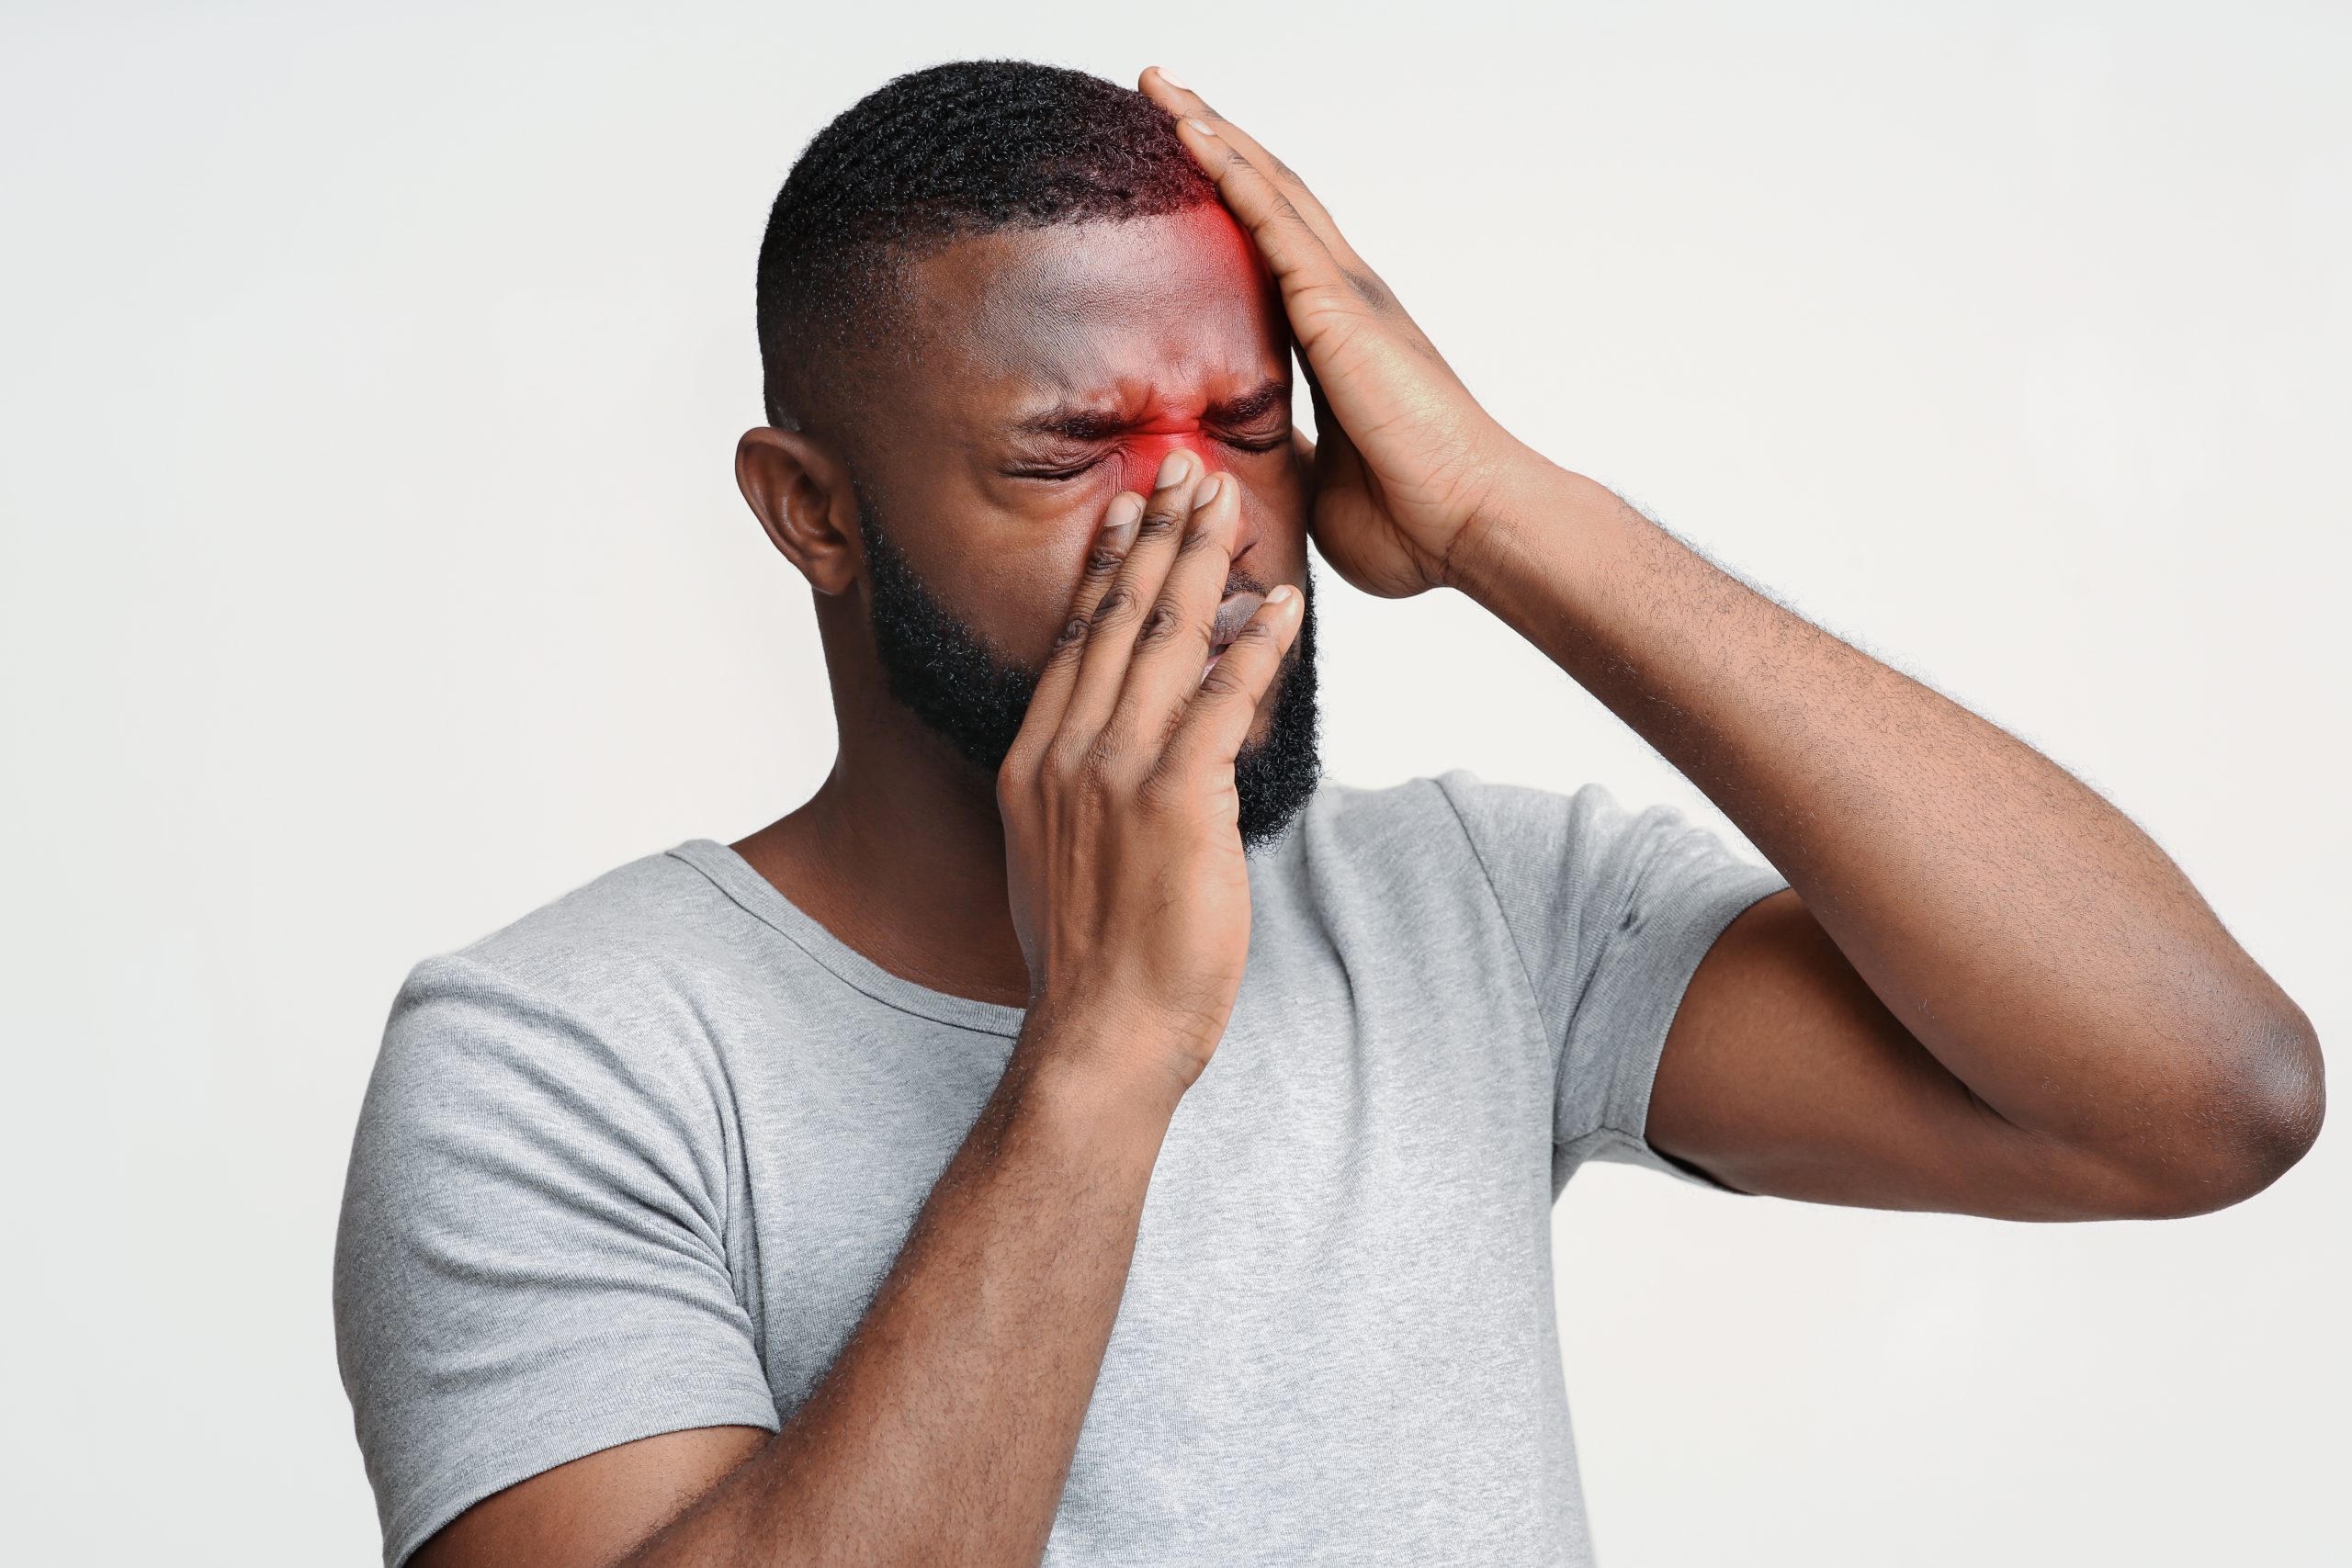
1316 289
1217 722
1184 103
1103 559
1176 636
1111 630
1330 304
1366 285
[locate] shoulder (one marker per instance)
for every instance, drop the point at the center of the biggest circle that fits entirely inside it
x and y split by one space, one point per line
604 982
1451 824
612 933
1554 865
1424 855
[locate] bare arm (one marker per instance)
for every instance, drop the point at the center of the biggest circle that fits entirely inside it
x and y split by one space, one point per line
943 1432
1986 991
945 1426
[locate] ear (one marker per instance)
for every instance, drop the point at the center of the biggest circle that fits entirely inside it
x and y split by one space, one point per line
799 489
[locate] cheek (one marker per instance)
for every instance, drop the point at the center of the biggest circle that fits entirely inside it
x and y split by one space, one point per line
1140 455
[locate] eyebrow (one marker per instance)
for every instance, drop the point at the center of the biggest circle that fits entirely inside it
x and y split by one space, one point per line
1081 424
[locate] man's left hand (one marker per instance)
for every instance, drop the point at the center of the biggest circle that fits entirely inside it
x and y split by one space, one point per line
1407 467
1986 990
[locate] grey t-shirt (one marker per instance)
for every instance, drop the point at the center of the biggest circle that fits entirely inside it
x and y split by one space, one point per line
636 1162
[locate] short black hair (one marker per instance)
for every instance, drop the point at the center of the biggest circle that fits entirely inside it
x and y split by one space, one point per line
953 150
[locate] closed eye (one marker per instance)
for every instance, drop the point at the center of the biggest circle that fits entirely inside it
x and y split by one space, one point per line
1058 472
1054 473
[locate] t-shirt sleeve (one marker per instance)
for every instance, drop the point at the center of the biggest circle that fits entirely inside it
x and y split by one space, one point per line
1612 912
531 1264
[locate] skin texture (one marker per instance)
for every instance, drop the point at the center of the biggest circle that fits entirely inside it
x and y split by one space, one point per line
1985 992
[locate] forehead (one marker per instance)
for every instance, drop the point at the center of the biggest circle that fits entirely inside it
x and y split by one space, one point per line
1137 315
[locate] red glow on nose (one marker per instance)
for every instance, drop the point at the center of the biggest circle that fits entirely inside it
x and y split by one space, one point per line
1142 451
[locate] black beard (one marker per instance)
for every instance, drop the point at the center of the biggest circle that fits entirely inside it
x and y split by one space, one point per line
959 685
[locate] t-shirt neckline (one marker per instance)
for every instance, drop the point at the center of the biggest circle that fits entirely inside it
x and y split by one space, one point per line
736 877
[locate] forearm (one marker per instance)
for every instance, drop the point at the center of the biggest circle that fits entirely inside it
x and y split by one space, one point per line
2023 929
945 1428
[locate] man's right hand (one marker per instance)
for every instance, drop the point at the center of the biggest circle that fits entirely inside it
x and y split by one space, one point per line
945 1426
1129 888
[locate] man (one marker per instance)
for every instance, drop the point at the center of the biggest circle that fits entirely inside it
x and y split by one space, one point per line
1073 1134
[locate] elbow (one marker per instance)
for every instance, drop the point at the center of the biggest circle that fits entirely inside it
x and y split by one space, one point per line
2252 1127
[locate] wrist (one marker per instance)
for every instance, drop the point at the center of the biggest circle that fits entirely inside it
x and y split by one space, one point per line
1531 511
1103 1063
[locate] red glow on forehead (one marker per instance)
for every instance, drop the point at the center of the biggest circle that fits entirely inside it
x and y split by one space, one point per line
1136 340
1211 227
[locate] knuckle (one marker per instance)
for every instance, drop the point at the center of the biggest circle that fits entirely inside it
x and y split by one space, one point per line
1224 681
1328 311
1101 764
1168 785
1103 560
1163 622
1327 294
1159 521
1073 633
1197 539
1367 287
1065 760
1117 603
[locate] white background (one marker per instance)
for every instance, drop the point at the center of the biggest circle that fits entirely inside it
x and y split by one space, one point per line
374 573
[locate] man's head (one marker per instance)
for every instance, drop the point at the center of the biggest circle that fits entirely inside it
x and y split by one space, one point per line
991 296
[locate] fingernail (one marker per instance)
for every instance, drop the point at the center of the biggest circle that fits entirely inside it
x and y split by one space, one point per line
1172 469
1282 595
1119 521
1201 126
1210 489
1170 77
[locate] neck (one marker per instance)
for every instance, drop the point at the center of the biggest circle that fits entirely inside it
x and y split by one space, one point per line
900 854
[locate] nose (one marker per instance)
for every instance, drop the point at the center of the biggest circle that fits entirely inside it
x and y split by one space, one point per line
1142 453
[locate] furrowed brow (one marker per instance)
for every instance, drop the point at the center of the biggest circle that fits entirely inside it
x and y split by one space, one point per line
1077 423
